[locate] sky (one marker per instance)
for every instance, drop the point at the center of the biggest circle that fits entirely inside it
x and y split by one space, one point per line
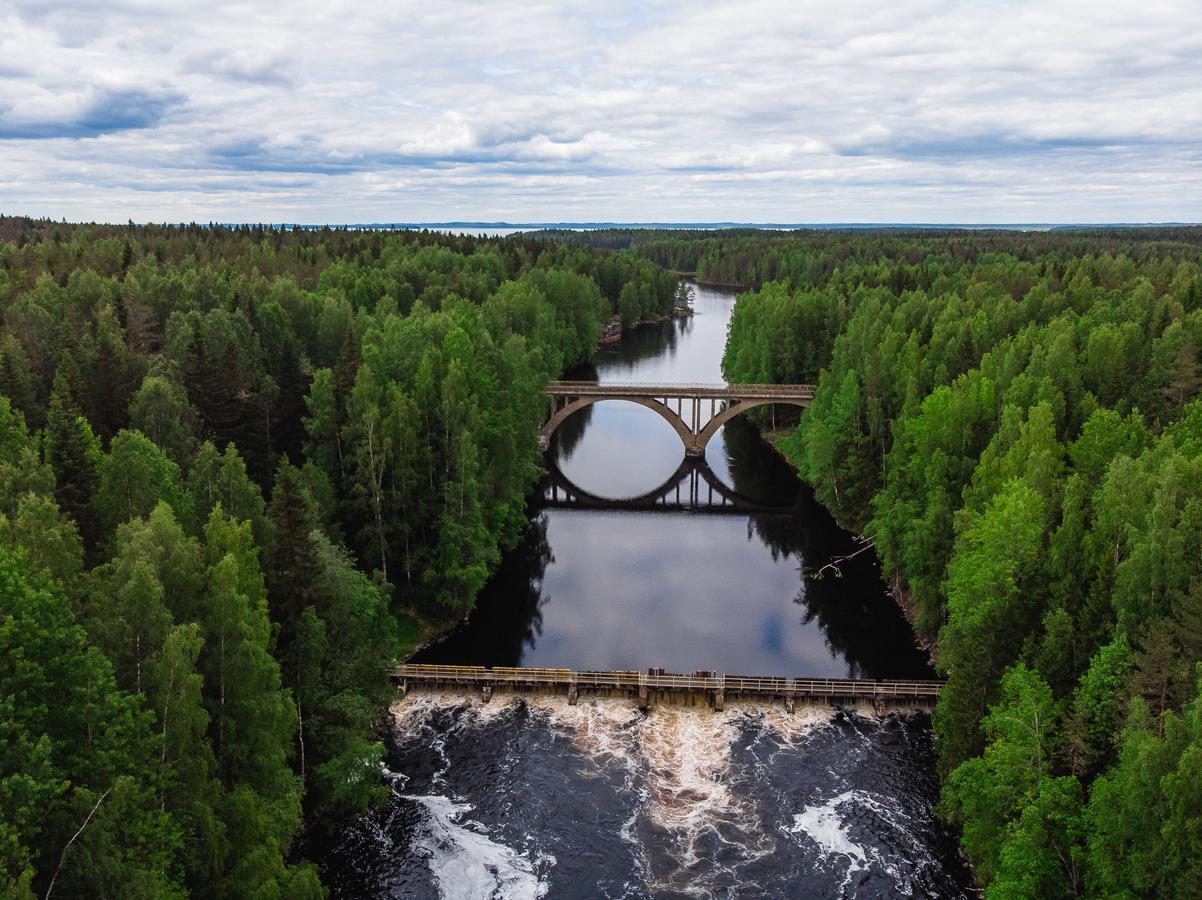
751 111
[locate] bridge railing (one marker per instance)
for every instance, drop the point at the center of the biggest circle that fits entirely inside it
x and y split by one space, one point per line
673 390
773 686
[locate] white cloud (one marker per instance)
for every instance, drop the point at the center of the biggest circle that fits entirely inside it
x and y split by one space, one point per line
920 110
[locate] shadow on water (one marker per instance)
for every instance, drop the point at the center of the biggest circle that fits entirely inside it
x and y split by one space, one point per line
507 619
861 622
862 631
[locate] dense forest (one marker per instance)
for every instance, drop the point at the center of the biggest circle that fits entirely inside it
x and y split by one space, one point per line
752 257
1015 422
241 471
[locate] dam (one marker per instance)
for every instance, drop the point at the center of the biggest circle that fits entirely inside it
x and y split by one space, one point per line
658 686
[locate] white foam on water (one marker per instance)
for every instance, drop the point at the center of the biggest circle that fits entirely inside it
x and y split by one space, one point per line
467 864
687 752
823 824
787 727
413 710
677 762
601 729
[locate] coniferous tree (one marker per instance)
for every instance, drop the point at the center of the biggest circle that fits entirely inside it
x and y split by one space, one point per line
73 453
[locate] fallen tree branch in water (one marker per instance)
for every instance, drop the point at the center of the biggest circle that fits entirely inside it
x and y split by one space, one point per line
833 566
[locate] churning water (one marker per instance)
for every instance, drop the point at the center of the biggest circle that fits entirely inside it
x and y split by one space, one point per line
532 797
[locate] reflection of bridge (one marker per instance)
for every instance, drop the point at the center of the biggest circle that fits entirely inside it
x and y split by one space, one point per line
695 428
693 487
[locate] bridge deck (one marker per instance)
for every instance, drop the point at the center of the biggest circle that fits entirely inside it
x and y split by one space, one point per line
667 685
705 391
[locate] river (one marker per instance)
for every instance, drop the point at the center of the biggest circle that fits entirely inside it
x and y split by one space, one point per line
532 797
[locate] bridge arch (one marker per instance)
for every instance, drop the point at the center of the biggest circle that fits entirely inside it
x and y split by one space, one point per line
575 405
735 409
726 402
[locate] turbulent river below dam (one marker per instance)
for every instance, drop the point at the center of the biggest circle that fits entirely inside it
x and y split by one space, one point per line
531 797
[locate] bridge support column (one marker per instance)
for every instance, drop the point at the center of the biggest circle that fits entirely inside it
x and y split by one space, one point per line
719 699
790 704
486 693
644 702
572 692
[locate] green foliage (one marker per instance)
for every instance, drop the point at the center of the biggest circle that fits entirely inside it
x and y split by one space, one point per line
381 389
1097 706
985 793
73 453
160 411
50 540
221 479
1042 854
74 745
1145 814
991 603
135 476
1016 425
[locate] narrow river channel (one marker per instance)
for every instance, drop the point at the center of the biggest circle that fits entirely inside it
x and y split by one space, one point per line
530 798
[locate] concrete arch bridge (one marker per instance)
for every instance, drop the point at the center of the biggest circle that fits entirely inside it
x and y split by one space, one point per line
695 411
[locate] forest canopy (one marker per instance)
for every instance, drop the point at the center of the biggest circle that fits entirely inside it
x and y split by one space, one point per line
1015 422
242 470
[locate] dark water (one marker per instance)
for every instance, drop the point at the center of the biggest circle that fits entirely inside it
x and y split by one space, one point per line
634 560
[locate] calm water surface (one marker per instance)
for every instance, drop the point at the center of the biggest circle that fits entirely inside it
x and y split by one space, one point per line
693 567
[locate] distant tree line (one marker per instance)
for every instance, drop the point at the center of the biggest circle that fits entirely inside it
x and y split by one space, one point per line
909 257
241 470
1020 433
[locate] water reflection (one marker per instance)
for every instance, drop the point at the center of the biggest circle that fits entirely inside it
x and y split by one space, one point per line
630 586
693 487
600 582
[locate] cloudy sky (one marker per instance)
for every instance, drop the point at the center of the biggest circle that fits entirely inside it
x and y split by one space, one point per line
762 111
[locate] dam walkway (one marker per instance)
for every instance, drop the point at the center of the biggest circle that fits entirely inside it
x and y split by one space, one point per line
658 686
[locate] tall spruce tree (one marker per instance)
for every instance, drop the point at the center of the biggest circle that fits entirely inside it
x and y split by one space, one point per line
73 452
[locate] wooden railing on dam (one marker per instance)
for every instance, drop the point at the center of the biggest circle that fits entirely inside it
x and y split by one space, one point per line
656 685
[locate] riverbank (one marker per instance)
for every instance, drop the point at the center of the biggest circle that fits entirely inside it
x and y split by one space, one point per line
893 583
